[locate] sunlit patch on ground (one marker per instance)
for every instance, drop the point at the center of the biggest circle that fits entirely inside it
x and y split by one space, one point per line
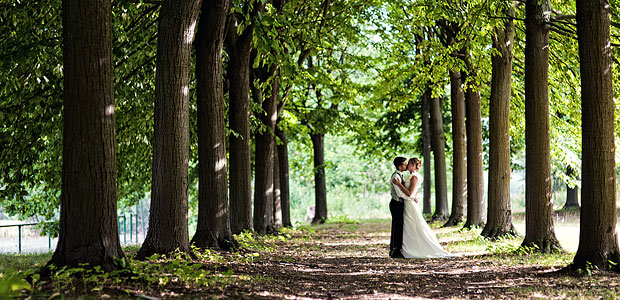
350 261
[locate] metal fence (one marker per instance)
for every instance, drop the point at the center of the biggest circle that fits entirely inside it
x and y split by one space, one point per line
31 244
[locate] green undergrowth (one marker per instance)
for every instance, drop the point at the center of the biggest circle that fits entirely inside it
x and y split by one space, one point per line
199 270
507 249
209 272
342 219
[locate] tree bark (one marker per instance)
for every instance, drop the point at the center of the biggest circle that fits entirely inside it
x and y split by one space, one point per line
213 228
263 156
459 150
571 193
319 178
598 243
238 47
499 213
426 153
475 179
439 153
88 220
538 205
284 178
168 215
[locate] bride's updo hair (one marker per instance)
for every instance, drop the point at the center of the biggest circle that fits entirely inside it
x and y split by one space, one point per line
416 162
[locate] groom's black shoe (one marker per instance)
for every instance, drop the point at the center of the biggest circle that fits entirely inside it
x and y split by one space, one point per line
396 254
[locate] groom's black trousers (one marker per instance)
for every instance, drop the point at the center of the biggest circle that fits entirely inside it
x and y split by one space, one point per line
396 240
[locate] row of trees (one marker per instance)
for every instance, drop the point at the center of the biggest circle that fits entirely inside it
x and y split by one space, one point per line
450 45
263 69
266 50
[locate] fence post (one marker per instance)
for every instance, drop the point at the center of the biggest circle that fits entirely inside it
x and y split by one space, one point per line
130 227
19 230
125 229
137 228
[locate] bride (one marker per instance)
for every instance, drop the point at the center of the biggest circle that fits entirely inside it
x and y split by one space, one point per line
419 241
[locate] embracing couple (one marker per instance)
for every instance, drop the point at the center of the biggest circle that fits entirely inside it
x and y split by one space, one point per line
411 236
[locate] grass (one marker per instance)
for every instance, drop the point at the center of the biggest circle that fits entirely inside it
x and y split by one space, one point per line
209 272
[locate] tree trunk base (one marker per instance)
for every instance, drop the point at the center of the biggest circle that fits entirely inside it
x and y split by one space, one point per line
496 232
471 225
437 217
453 221
587 268
550 245
317 221
210 242
108 263
572 207
603 260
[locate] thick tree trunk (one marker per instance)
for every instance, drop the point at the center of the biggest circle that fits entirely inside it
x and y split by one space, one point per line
572 200
598 243
238 48
263 157
284 178
426 153
213 229
88 225
320 188
538 205
277 194
168 215
439 153
475 179
459 152
499 213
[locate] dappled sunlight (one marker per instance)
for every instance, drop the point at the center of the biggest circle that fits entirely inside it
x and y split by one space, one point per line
109 110
220 165
188 33
358 243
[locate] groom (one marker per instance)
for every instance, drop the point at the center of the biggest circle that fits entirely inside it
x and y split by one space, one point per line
397 207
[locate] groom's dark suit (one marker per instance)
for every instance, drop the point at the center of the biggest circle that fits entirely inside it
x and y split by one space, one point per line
397 208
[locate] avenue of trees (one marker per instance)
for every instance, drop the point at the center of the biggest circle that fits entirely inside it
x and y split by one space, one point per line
105 102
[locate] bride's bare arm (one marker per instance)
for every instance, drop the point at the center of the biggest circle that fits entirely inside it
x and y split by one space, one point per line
413 187
401 187
413 180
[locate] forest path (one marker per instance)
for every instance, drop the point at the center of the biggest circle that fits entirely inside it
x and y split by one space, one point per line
350 261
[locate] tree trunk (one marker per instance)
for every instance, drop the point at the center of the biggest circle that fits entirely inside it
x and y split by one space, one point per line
284 178
475 179
263 156
88 224
439 153
277 195
238 48
459 146
168 215
213 229
319 178
426 153
598 243
499 216
571 193
538 205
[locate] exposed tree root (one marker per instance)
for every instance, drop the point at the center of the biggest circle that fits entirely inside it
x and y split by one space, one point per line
497 232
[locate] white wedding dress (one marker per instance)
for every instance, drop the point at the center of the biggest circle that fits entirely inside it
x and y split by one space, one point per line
419 240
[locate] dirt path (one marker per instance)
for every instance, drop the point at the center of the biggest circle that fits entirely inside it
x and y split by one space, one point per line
335 263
